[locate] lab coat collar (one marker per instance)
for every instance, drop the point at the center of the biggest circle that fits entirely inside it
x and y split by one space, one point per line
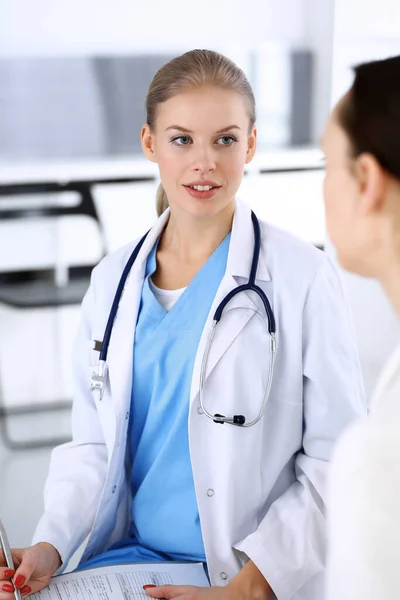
242 246
139 266
240 249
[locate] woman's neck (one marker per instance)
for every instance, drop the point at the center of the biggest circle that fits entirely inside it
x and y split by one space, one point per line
389 275
390 281
193 240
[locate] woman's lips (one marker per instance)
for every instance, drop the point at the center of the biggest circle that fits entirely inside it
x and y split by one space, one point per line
201 194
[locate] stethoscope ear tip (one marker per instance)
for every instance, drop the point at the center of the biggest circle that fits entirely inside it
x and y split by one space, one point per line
239 419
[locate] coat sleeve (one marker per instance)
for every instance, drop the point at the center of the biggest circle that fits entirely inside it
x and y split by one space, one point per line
289 546
77 469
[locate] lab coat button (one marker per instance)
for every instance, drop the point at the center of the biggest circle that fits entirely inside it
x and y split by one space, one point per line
210 493
200 410
114 489
223 576
127 415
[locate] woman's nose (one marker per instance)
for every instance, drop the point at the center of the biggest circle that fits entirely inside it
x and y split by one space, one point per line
204 162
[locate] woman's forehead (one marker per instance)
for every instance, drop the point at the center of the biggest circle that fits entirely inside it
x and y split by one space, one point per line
209 108
334 134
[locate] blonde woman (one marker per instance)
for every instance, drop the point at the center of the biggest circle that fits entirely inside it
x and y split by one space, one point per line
229 373
362 198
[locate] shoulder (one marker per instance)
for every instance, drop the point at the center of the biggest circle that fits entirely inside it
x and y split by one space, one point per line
276 239
364 492
116 259
367 457
363 506
110 268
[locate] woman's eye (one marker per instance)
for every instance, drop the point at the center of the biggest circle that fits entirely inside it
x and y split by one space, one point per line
182 140
226 140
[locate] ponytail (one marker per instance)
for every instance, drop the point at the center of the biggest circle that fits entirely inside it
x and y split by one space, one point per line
161 200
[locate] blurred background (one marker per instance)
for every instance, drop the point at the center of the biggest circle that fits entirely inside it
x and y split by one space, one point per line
74 185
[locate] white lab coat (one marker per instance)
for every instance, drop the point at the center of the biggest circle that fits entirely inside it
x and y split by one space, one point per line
261 490
364 501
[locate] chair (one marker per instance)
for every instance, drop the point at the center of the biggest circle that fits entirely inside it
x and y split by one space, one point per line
42 270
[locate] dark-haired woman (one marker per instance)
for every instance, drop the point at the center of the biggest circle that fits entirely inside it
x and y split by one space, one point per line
362 197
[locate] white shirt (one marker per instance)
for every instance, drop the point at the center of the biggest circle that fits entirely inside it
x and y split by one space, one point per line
167 298
364 501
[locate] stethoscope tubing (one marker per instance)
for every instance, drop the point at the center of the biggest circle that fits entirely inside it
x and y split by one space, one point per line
98 379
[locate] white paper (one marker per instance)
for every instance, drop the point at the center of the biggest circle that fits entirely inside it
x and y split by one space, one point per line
121 582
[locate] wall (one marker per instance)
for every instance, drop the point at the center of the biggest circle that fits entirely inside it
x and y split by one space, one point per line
74 28
362 35
77 27
318 36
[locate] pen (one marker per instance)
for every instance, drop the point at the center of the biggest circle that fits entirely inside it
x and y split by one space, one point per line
8 556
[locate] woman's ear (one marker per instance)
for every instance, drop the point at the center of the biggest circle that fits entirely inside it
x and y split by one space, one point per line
147 140
251 145
372 182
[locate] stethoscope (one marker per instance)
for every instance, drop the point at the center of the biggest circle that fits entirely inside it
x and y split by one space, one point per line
97 382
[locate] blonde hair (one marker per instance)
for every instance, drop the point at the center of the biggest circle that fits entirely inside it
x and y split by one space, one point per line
161 200
195 69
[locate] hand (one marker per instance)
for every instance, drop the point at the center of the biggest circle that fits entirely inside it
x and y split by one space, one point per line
190 592
33 568
249 584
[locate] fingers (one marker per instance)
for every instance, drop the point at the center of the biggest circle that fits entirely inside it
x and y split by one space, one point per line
26 568
26 561
16 554
25 590
170 591
6 595
6 587
7 590
33 587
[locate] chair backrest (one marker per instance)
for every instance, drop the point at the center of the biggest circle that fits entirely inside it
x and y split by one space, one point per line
129 209
42 228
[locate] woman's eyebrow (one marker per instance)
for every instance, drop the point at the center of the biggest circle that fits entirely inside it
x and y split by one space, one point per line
224 129
185 130
179 128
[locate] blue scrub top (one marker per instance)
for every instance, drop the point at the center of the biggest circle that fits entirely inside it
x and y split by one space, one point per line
165 518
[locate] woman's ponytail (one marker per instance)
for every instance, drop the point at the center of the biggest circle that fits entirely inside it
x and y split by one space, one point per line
161 200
